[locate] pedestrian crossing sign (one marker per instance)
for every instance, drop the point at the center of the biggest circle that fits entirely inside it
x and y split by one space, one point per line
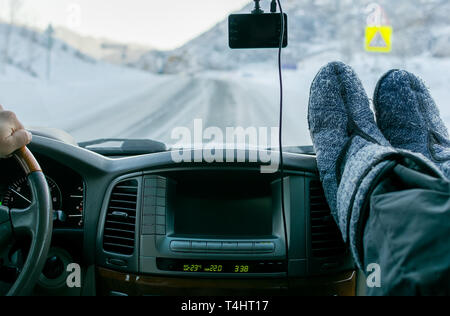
379 39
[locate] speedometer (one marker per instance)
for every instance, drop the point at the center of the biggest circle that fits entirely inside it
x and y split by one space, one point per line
18 195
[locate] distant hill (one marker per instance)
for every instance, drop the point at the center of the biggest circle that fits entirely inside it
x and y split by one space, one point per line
25 50
102 48
420 27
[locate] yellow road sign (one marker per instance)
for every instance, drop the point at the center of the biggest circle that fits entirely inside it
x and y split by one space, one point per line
379 39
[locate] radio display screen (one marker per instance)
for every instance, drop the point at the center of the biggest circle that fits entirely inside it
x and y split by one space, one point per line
223 218
206 207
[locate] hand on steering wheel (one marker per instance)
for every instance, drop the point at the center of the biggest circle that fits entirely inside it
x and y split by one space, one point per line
36 221
12 133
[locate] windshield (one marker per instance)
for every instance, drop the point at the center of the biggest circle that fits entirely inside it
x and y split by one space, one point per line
163 70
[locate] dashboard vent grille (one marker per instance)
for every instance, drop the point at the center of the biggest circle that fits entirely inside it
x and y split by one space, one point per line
120 222
326 237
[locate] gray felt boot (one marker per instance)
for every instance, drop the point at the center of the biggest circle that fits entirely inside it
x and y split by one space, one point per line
409 118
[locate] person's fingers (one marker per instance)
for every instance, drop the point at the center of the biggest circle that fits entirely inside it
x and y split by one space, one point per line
21 138
12 120
16 141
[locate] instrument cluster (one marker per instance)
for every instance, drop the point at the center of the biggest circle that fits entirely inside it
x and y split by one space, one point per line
66 188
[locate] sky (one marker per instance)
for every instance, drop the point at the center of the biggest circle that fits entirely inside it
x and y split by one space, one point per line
162 24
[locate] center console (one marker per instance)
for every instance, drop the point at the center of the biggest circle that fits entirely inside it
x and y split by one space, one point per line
207 224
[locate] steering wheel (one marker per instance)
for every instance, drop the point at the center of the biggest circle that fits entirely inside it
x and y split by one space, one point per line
36 221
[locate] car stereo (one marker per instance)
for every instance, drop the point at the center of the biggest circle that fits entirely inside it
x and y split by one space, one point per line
200 226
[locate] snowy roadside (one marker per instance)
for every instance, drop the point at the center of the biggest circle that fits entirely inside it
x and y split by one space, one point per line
61 101
101 100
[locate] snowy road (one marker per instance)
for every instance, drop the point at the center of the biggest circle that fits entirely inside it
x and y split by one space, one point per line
177 102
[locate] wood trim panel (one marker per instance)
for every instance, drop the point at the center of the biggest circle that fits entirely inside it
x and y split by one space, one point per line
342 284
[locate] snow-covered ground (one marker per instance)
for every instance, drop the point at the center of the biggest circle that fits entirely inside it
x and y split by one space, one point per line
101 100
66 101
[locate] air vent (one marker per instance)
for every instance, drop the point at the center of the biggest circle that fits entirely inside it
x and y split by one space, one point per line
120 222
326 237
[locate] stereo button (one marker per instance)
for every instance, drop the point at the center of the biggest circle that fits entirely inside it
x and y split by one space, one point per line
214 246
199 245
245 246
180 246
230 246
264 247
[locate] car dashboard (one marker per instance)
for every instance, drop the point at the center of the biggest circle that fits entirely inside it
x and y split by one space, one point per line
66 189
145 225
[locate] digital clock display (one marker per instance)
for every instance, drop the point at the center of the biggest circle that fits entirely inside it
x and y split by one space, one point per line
230 267
236 268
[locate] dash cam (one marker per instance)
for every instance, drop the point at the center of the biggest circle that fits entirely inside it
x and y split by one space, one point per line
253 31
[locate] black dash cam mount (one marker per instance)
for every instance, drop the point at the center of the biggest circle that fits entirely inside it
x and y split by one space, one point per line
258 29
